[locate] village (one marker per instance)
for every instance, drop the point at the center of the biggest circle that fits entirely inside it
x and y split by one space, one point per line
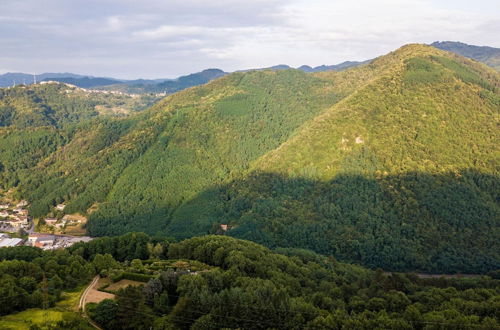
17 228
14 217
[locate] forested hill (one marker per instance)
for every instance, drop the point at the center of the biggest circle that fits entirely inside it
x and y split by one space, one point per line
58 104
391 164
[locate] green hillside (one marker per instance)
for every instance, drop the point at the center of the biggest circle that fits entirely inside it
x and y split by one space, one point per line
55 104
36 120
392 164
142 167
402 174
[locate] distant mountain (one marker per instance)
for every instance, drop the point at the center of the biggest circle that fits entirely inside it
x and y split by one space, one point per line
337 67
485 54
165 85
193 79
306 68
17 78
140 86
85 82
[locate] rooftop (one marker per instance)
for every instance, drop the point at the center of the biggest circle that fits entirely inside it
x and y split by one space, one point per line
9 242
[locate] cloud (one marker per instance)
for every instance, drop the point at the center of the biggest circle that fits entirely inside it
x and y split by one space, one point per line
157 38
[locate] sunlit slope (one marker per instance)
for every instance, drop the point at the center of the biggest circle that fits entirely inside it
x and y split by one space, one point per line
57 104
431 112
402 174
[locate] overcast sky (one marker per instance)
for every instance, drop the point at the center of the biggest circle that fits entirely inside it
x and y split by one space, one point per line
168 38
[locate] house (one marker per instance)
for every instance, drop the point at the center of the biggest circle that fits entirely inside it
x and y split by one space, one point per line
18 210
4 206
50 221
4 214
23 212
23 219
22 203
15 223
224 227
60 207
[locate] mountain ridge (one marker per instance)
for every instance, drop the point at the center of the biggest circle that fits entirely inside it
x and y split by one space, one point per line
485 54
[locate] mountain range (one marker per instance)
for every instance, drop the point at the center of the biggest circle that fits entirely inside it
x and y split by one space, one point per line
389 164
485 54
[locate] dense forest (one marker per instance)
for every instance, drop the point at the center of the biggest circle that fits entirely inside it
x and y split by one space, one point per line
215 282
391 164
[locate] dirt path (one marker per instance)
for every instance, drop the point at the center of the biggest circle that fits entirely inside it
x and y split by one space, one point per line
83 299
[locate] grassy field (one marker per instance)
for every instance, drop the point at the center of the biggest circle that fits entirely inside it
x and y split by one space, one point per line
122 284
36 316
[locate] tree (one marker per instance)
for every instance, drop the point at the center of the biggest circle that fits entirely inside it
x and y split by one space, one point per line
132 312
104 262
105 314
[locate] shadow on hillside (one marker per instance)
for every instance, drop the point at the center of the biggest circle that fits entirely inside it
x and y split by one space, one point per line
415 221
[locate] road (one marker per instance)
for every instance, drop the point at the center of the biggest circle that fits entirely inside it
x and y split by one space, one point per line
81 305
447 276
83 298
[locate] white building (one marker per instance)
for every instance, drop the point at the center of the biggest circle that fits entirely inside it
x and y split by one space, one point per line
10 242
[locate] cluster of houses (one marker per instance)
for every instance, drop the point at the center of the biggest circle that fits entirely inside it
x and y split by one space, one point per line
14 217
61 223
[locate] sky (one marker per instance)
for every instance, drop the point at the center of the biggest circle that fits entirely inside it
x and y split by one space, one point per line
167 38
